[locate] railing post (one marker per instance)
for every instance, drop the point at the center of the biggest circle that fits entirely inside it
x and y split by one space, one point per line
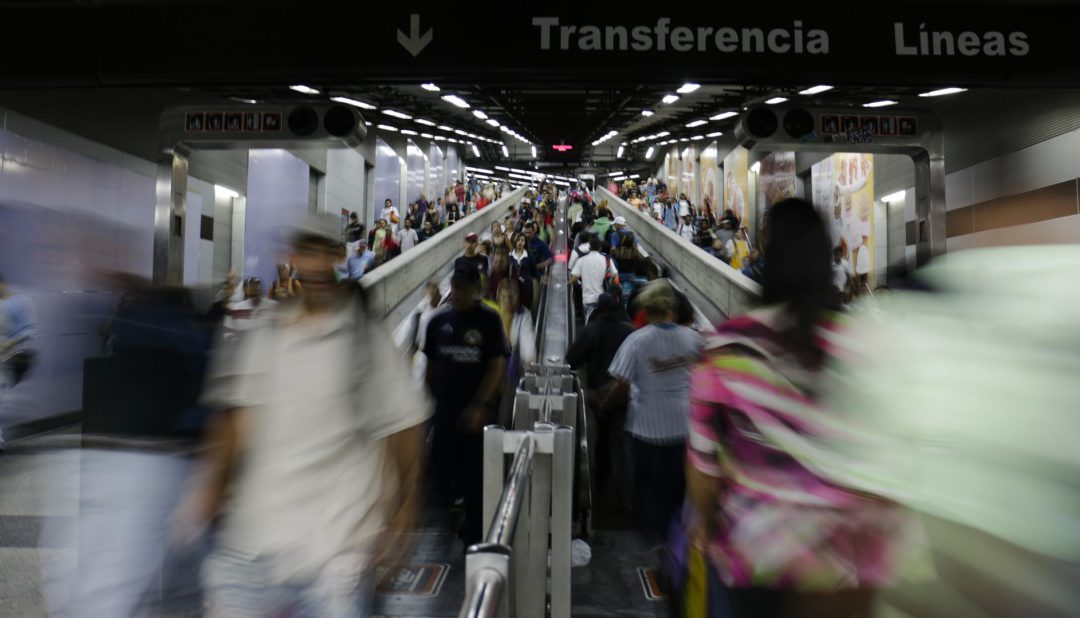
494 473
533 593
562 486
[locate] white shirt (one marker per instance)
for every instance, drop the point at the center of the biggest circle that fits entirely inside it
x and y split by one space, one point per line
862 260
308 491
656 361
592 269
407 238
574 255
686 230
684 208
840 273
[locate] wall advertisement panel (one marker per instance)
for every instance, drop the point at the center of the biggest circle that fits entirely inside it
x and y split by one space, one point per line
689 182
776 182
843 188
736 181
672 172
708 179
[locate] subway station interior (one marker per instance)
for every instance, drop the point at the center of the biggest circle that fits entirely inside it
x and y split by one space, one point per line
664 402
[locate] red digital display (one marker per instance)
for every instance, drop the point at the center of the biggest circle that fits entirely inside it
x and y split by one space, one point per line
562 147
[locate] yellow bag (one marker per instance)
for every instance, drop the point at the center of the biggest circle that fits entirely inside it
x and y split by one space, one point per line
696 591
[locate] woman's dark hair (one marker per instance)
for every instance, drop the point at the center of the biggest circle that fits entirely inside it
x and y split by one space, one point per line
798 272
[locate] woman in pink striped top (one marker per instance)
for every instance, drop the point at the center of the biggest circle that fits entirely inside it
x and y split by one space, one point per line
784 539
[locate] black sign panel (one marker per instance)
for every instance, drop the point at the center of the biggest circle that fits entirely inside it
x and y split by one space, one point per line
951 42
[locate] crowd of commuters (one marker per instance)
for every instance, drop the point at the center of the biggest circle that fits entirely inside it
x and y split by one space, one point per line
721 235
721 442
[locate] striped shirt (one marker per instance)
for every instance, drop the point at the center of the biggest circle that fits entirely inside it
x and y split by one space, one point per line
657 361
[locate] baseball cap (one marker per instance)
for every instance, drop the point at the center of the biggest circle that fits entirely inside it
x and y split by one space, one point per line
620 220
471 237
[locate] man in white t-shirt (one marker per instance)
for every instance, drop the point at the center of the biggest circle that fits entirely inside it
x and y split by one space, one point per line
407 238
843 274
391 214
591 270
862 264
320 470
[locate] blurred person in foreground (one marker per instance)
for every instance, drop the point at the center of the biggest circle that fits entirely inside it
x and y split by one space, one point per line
784 538
18 326
313 472
968 415
141 425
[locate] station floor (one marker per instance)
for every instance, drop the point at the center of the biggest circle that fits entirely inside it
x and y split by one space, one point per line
39 490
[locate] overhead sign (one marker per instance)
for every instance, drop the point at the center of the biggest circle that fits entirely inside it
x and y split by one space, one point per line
263 125
562 147
893 42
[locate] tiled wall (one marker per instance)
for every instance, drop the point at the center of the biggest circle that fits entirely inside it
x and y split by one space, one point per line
277 196
345 188
64 218
415 178
387 178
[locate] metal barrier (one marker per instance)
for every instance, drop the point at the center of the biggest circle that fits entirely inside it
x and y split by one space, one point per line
503 573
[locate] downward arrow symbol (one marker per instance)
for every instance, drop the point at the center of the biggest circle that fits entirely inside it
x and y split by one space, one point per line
414 42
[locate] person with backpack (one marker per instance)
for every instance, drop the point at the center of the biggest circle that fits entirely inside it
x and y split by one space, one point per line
597 274
316 473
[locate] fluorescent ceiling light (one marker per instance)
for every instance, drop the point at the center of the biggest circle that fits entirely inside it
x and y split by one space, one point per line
756 167
661 134
534 152
724 116
424 122
619 178
618 155
386 127
816 90
243 100
396 114
634 176
715 134
506 153
688 87
647 112
775 100
304 89
430 87
408 132
479 114
426 135
942 92
353 102
616 173
443 127
899 196
696 123
492 122
671 98
684 139
475 150
459 132
456 100
227 192
697 137
502 169
884 103
439 138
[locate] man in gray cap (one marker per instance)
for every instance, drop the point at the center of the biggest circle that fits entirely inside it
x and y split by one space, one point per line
319 472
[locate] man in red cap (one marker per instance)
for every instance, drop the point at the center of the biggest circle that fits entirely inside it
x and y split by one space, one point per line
473 256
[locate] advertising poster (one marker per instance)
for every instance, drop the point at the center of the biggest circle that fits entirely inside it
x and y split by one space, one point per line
709 184
689 175
736 170
843 187
672 180
776 182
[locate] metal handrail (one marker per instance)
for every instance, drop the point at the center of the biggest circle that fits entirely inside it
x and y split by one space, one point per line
506 514
482 600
